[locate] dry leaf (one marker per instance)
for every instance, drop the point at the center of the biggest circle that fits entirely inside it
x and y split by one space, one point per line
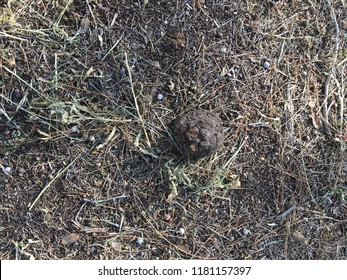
172 184
297 236
65 117
46 137
85 23
172 195
89 229
116 245
231 181
11 63
47 218
171 86
70 238
156 64
100 40
90 71
234 181
315 119
98 183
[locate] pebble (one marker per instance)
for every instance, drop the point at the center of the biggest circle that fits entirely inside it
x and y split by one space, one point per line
181 231
328 200
91 138
6 169
139 241
160 96
223 50
266 64
74 128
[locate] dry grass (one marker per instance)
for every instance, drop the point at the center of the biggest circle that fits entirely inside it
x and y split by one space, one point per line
93 162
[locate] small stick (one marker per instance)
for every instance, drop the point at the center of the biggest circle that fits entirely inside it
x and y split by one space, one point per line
93 201
285 213
55 71
289 111
91 12
135 99
111 49
51 182
121 223
325 110
63 11
26 83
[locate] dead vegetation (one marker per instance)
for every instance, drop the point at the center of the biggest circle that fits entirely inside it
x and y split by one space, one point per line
90 169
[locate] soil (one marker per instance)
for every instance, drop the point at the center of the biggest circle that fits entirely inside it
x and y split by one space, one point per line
88 159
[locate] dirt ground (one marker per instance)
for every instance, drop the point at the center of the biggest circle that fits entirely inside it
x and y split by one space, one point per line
89 92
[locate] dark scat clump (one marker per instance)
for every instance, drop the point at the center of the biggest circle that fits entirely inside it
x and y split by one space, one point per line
198 133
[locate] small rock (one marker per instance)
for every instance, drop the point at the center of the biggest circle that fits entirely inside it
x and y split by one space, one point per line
328 201
266 64
48 218
299 237
6 169
139 241
91 138
223 50
70 238
160 96
181 231
156 64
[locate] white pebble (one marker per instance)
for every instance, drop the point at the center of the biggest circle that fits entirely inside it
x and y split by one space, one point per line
139 241
223 50
91 138
181 231
74 128
160 96
6 169
266 64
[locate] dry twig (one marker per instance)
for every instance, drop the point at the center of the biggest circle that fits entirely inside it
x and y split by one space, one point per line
51 182
135 98
287 212
325 110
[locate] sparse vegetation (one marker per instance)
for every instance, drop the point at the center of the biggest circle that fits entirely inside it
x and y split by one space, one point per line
89 165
